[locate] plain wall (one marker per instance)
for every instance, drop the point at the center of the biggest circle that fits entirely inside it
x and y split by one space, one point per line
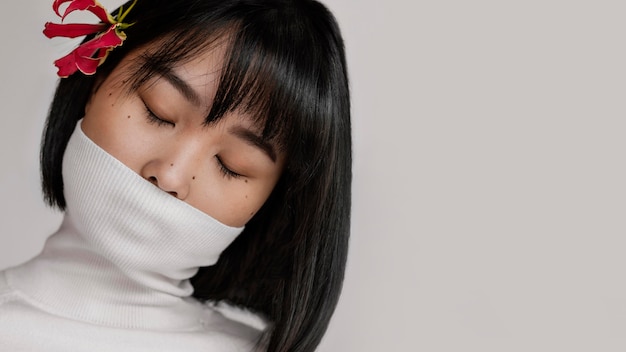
489 177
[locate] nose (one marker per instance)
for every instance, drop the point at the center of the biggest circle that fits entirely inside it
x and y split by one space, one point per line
166 186
171 174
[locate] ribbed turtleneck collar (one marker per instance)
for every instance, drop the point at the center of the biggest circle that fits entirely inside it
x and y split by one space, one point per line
125 250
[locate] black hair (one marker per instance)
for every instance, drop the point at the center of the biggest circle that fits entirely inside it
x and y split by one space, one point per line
285 62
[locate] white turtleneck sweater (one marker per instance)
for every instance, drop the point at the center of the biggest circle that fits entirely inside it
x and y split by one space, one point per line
115 276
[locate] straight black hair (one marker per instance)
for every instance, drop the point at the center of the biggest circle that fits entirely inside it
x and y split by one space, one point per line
285 63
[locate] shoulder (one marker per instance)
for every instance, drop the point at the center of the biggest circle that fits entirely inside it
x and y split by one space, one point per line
233 328
6 292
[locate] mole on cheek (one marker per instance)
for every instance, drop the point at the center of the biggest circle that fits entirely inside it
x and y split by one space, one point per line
193 178
171 164
129 116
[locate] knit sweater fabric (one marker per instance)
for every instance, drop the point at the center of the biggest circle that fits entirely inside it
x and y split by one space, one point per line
115 276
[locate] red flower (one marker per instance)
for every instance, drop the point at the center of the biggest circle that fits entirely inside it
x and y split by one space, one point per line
89 55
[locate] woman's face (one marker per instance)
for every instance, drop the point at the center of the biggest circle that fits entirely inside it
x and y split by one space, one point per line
224 169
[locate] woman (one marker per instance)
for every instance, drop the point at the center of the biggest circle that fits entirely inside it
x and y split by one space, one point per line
202 154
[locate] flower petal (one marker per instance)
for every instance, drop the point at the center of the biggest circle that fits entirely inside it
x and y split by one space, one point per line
71 30
88 56
56 4
110 39
87 65
73 62
66 65
92 6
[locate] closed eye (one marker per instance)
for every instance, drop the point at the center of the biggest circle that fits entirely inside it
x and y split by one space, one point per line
228 173
154 119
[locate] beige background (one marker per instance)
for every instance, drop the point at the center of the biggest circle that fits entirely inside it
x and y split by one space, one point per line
489 188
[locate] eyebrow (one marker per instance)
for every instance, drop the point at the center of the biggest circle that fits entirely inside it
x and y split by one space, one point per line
255 140
239 131
183 87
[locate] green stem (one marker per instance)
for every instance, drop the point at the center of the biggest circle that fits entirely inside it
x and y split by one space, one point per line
124 13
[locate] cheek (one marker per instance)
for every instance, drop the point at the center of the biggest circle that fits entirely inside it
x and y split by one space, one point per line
235 204
119 127
109 122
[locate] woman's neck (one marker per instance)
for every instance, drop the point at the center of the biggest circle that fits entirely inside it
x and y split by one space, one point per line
125 250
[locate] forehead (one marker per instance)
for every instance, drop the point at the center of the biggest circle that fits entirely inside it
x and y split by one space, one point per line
203 71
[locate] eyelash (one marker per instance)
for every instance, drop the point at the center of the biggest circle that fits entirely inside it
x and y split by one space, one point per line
228 173
154 119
